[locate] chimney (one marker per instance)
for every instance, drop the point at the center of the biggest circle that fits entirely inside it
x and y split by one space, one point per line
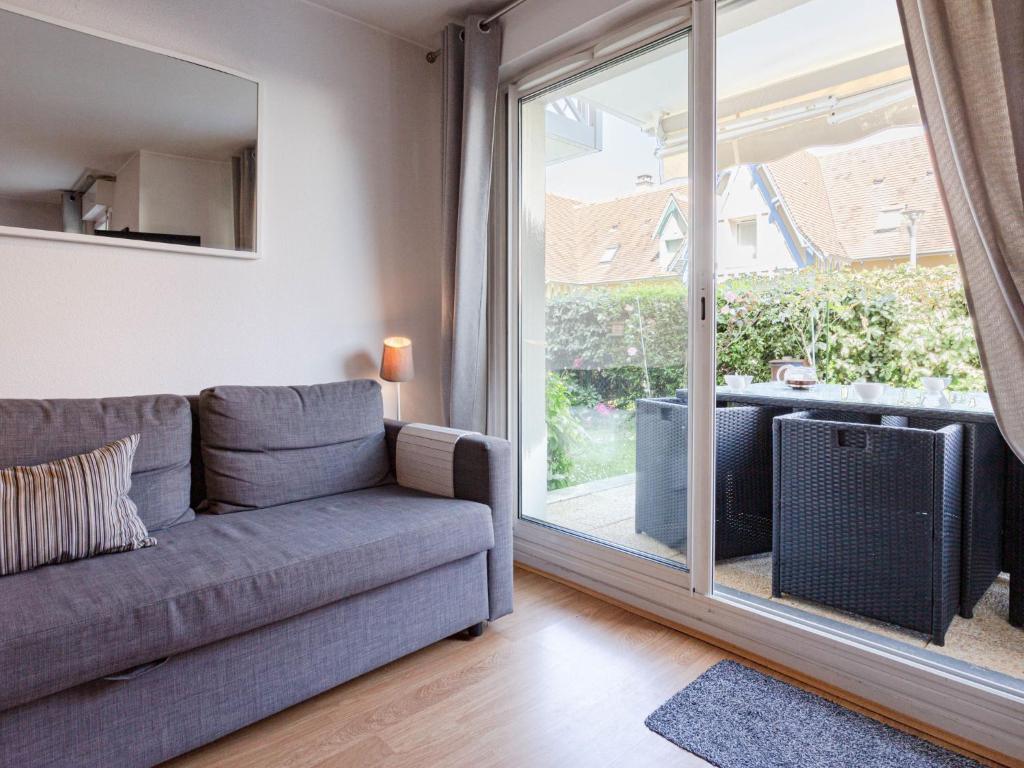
645 181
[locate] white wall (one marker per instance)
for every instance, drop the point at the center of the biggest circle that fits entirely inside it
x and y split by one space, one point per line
743 200
351 241
126 195
31 214
187 196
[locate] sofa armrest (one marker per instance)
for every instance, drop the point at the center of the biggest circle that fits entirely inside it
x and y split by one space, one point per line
482 473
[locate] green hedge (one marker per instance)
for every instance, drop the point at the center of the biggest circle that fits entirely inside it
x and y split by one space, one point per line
890 325
616 344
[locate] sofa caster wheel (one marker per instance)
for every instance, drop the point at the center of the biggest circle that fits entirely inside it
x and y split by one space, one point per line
477 629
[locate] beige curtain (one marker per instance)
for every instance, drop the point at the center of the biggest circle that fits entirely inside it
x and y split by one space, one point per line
967 58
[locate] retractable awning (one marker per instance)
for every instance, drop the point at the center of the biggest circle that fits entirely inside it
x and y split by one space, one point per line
781 87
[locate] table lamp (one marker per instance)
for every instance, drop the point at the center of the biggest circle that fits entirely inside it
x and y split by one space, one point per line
396 365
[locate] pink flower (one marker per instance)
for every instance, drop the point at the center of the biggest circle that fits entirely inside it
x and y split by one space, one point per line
603 408
577 363
631 351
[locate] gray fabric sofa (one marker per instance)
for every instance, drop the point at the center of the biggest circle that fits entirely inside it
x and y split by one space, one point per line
133 658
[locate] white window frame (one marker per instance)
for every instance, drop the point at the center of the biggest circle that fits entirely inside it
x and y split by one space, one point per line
973 708
634 575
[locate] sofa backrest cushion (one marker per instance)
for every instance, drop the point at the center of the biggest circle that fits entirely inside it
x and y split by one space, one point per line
40 431
264 446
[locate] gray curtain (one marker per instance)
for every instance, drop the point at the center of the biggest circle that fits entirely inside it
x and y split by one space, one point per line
471 57
243 169
967 57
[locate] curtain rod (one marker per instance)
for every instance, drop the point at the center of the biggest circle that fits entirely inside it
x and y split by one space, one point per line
433 56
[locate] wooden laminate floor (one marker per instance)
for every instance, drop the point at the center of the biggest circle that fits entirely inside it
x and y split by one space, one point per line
565 681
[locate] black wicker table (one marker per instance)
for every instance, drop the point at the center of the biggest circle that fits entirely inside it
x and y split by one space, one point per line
970 407
992 509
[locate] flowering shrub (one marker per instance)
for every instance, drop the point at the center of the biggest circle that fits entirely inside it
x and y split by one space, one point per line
895 325
564 431
889 325
609 346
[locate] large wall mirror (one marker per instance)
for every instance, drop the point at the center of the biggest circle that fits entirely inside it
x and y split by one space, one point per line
101 139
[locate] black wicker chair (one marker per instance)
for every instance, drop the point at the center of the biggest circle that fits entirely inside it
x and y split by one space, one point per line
743 481
984 502
1014 540
867 518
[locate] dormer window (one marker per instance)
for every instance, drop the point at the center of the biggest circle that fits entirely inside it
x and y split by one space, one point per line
609 254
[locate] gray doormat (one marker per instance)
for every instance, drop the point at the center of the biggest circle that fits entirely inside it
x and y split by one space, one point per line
735 717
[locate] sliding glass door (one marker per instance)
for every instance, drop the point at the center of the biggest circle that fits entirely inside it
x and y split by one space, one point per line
744 385
847 367
604 249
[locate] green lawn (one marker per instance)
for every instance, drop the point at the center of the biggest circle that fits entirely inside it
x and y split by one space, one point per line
603 445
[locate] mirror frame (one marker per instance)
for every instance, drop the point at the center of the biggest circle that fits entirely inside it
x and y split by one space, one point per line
113 242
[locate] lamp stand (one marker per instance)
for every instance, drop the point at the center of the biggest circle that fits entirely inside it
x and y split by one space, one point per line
398 400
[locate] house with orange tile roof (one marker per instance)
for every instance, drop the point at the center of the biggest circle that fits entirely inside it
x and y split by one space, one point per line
871 205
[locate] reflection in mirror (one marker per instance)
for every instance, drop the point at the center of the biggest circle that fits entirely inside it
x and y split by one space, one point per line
106 139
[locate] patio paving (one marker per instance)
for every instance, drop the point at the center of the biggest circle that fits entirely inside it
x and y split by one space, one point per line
604 510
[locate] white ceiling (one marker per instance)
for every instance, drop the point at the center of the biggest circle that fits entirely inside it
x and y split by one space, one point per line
419 21
71 101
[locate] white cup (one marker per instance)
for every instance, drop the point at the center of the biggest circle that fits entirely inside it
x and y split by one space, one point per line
933 385
868 391
737 381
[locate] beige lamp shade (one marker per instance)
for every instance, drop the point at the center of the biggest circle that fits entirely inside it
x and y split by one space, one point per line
396 362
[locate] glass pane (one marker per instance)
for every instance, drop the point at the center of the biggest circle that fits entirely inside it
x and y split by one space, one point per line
839 298
604 248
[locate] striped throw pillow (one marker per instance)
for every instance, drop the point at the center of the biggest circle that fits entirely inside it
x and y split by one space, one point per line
70 509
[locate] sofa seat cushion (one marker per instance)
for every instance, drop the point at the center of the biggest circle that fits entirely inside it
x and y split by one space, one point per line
220 576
